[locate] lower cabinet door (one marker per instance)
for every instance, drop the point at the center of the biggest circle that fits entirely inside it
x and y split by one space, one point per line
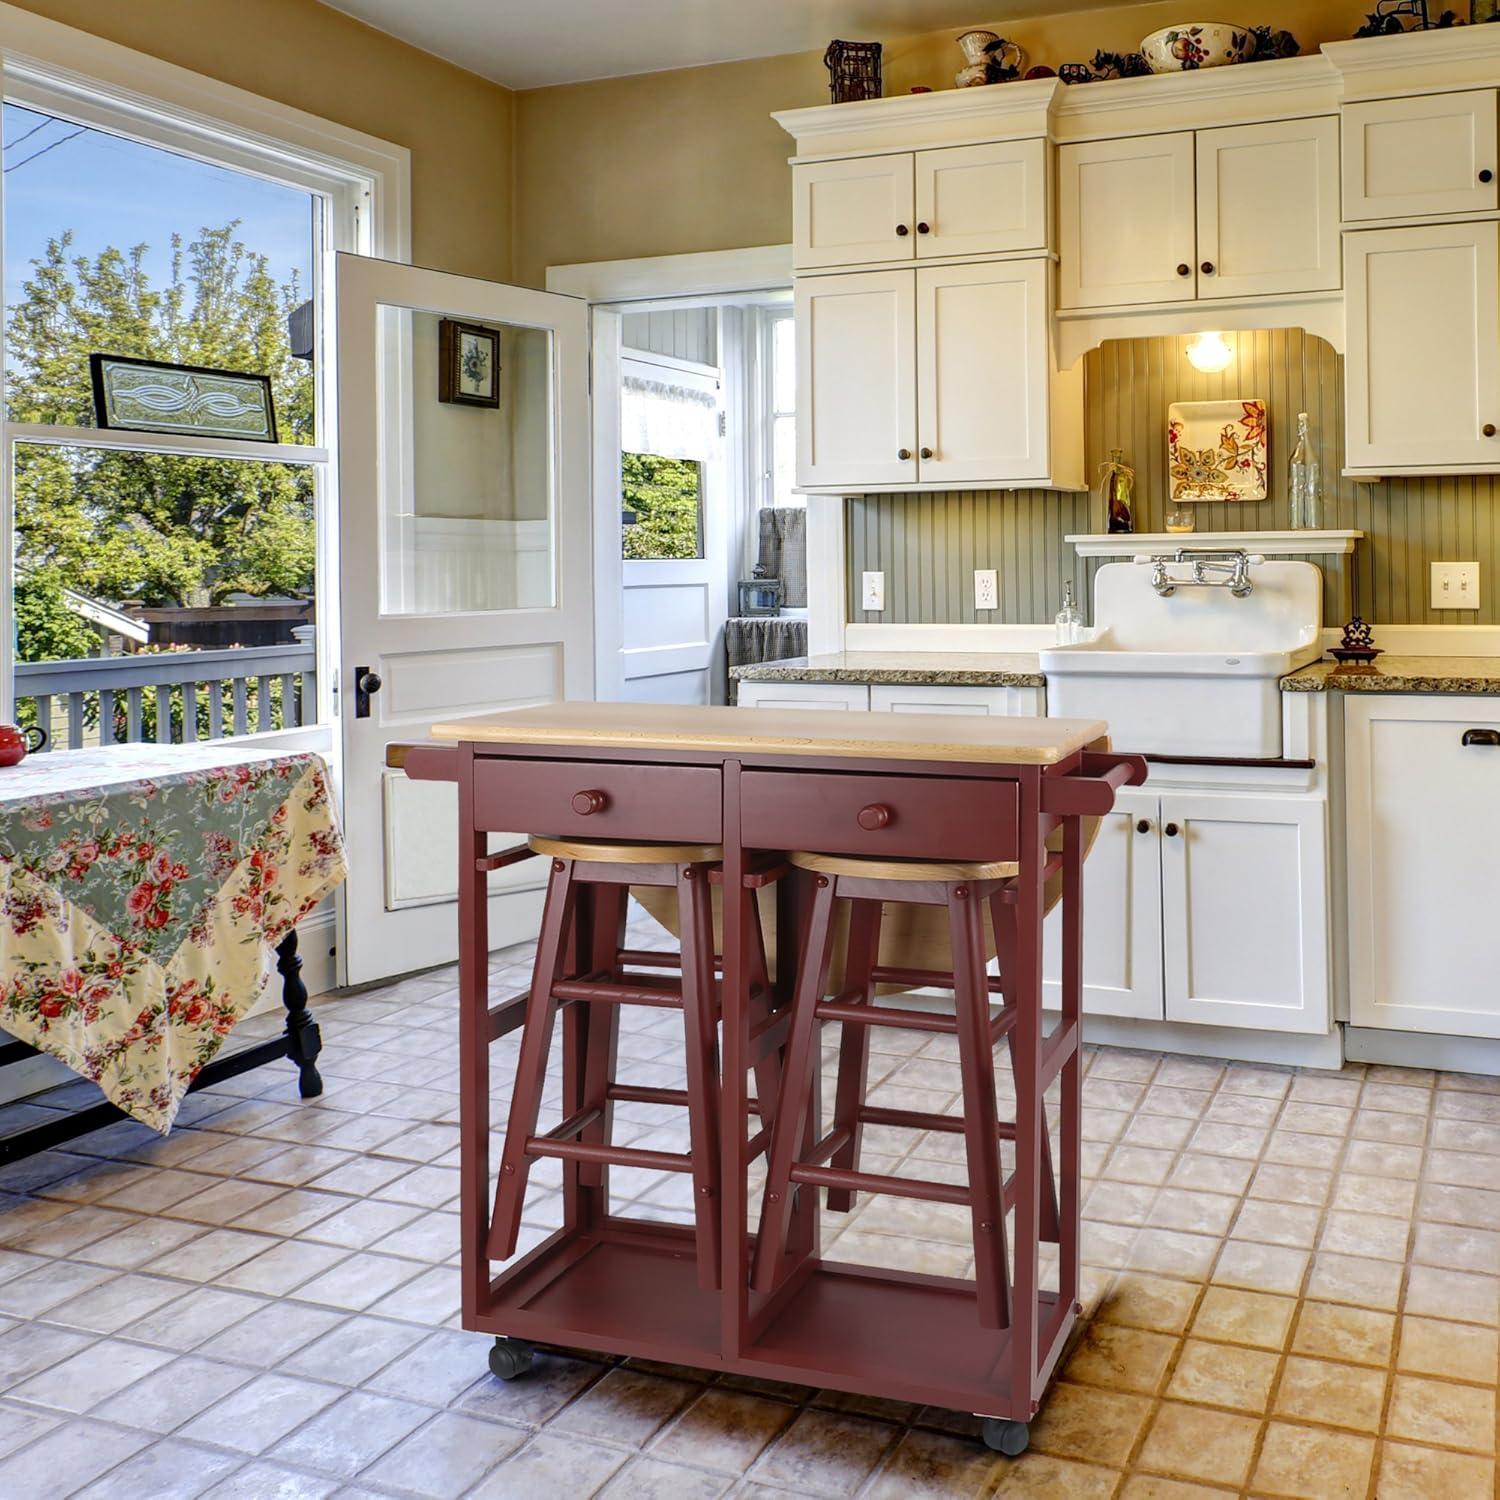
1424 863
834 695
1244 889
944 698
1121 918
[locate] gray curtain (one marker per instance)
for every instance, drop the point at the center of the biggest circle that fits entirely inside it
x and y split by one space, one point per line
751 639
783 550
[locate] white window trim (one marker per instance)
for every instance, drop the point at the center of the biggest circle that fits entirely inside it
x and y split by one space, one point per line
766 412
366 187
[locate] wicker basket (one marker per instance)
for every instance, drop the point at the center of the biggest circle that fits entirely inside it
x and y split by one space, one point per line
853 70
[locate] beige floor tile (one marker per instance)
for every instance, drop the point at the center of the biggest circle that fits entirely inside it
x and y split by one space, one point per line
1175 1252
446 1458
351 1434
1456 1295
1285 1183
1191 1442
1356 1279
1291 1224
1140 1300
1224 1375
1121 1359
1409 1473
1156 1487
1039 1476
1239 1317
1459 1351
823 1453
1334 1331
1381 1236
1357 1192
1090 1425
1436 1411
551 1466
1312 1463
1337 1395
256 1415
1261 1268
627 1406
934 1466
723 1430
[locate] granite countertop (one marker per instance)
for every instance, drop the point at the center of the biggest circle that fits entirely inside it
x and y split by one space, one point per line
1399 674
908 668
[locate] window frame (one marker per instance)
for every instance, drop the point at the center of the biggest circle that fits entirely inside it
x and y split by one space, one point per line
767 317
360 184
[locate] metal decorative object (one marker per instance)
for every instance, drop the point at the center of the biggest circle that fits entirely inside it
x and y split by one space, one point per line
760 596
147 395
1358 643
1392 16
853 70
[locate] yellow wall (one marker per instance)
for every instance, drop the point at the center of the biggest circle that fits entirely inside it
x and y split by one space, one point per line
457 126
689 160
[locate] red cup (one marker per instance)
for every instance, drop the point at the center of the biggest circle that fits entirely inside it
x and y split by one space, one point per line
15 743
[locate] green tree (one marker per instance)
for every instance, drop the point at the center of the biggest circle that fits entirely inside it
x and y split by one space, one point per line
665 495
161 529
46 629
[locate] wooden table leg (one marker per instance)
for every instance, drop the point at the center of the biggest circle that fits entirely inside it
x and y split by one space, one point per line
303 1039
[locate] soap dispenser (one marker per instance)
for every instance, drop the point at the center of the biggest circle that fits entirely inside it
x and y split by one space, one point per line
1068 621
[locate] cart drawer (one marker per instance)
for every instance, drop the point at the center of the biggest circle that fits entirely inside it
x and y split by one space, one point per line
599 800
912 817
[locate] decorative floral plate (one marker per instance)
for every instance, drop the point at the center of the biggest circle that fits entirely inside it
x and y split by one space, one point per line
1216 450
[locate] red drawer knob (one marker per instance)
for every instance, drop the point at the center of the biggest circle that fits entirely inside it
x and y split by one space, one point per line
587 803
876 815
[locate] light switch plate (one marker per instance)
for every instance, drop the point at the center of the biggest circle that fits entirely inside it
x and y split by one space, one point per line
986 588
872 590
1455 585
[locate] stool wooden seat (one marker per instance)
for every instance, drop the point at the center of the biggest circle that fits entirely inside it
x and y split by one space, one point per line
583 968
965 890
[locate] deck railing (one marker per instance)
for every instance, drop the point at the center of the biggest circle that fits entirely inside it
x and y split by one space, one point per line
170 697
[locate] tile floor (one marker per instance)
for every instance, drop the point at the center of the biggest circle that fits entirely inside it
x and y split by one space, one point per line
1293 1290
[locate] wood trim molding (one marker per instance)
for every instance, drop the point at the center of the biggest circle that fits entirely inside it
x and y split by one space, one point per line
709 273
1266 543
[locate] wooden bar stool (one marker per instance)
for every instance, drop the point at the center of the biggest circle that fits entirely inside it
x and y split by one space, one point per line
583 968
869 885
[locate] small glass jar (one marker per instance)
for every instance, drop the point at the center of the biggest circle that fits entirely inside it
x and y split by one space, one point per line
1182 518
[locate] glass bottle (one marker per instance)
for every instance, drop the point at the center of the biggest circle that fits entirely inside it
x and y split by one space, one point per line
1117 490
1068 621
1305 482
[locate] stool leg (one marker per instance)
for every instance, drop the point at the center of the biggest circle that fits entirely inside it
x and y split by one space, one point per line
854 1045
695 916
981 1118
602 1043
767 1067
797 1073
531 1068
1003 915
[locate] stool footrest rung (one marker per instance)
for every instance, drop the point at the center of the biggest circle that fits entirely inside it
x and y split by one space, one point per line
572 1126
507 1016
631 1093
912 1119
915 979
872 1182
648 958
860 1013
597 992
609 1156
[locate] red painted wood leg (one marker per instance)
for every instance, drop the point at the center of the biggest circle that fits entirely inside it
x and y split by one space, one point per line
695 917
854 1045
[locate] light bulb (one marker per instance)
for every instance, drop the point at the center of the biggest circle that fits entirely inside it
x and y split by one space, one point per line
1209 352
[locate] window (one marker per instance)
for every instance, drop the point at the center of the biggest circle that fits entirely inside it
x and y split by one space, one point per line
165 584
778 425
669 431
662 507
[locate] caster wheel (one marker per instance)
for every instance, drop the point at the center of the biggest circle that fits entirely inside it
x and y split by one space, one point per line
1005 1436
510 1358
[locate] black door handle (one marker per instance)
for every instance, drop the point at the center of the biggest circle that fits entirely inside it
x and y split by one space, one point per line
1489 738
1171 830
366 685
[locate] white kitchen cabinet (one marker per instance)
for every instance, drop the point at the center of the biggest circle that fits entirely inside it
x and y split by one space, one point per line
856 379
944 698
1244 894
1127 227
989 199
853 212
1122 973
1421 156
983 373
1268 208
1423 829
853 696
1422 368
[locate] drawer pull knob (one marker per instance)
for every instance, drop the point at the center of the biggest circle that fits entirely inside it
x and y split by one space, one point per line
1490 738
924 228
903 454
1488 429
585 804
1171 830
1486 175
1143 825
1208 268
902 230
1184 269
926 452
876 815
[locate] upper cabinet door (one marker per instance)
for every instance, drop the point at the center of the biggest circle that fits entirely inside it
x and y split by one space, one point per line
1126 221
848 213
1422 365
856 379
1413 158
982 200
1268 208
982 372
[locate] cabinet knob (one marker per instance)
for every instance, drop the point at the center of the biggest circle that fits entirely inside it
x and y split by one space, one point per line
876 815
902 230
1143 825
1184 269
1486 175
903 454
926 452
1489 738
1208 268
1171 830
585 804
1488 429
924 228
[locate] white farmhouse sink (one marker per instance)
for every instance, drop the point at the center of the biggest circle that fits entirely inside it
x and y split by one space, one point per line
1194 673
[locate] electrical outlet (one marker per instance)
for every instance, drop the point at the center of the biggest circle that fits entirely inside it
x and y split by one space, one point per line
1455 585
872 590
986 588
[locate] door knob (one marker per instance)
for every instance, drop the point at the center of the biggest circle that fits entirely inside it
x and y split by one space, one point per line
902 230
926 452
366 685
924 228
1184 269
1208 268
1486 175
876 815
585 804
1143 825
1171 830
903 454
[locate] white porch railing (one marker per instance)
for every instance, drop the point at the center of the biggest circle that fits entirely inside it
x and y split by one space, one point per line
172 696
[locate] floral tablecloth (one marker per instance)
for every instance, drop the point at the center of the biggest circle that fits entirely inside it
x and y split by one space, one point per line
142 891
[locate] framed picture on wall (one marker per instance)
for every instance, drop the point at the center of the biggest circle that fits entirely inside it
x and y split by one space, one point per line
468 363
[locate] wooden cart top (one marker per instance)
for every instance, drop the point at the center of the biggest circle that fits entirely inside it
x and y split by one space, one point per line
763 731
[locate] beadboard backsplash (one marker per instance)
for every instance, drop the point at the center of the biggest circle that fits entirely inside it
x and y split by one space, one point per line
928 546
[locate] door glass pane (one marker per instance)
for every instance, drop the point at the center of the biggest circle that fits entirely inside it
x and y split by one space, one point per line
468 465
661 507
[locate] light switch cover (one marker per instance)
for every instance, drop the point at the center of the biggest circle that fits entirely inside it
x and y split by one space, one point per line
872 590
1455 585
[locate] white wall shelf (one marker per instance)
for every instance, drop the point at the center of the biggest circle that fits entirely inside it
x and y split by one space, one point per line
1266 543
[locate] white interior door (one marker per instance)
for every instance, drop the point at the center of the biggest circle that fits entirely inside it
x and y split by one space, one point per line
464 573
674 575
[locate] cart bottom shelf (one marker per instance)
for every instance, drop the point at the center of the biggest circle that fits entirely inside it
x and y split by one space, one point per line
850 1328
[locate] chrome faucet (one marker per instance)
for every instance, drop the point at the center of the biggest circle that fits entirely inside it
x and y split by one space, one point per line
1215 570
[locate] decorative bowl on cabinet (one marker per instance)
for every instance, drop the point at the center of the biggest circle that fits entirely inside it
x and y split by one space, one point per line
1200 44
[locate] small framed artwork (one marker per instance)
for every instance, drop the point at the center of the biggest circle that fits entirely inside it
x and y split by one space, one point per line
761 596
468 363
147 395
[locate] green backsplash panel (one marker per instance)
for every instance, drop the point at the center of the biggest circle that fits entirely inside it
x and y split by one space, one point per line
928 546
